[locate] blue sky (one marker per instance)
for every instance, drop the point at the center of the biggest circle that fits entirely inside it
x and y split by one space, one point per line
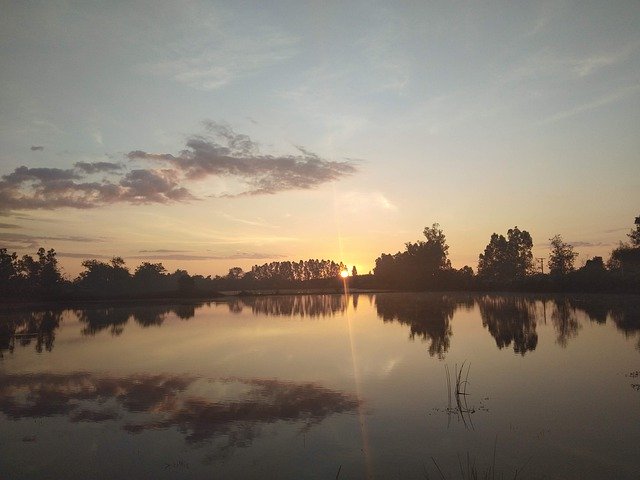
288 130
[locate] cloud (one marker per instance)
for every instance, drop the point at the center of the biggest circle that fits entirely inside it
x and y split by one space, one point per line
253 223
186 257
359 202
216 62
590 244
162 250
581 243
37 148
606 99
21 240
96 167
165 181
9 225
83 256
51 188
238 157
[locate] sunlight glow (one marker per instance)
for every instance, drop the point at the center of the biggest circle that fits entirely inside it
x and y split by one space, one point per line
344 273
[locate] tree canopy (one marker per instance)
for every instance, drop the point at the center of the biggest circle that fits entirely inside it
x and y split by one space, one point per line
507 259
562 257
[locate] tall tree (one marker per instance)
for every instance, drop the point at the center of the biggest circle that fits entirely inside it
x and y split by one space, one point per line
506 259
634 235
562 257
626 257
419 265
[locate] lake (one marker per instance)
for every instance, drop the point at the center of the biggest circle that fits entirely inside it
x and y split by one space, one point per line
324 386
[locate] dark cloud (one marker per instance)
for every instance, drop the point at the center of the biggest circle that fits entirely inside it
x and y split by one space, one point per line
96 167
21 240
9 225
590 244
83 255
238 157
580 243
51 188
37 148
232 256
222 153
162 250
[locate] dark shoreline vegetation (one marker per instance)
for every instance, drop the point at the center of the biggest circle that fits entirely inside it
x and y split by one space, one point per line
506 264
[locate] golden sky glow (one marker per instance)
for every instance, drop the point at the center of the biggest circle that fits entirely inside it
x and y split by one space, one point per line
224 135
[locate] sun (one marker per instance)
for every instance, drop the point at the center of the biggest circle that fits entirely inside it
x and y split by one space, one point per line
344 273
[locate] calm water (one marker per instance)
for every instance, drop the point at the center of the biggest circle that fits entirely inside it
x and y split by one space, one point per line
323 386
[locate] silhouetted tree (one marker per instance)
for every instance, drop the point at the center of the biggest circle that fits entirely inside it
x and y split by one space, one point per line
634 235
235 273
420 265
626 258
562 257
507 259
354 271
150 277
104 278
10 278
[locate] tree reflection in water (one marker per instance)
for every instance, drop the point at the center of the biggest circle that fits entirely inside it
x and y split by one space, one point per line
291 305
564 320
427 315
510 319
25 327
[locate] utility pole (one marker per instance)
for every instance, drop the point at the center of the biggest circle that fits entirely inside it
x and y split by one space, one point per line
541 260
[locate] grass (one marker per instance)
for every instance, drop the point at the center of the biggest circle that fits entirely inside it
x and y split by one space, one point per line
459 393
470 471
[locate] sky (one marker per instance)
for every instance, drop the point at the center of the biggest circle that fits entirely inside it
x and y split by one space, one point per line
207 135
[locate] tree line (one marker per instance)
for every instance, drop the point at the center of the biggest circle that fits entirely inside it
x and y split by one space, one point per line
27 277
506 263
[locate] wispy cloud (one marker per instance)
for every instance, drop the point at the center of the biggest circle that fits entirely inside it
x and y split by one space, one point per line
21 240
358 202
552 65
84 256
37 148
187 257
253 223
602 101
162 250
219 59
581 243
9 225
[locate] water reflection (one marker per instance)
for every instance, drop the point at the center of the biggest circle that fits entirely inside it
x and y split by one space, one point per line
428 316
510 319
29 326
292 305
565 321
115 318
200 409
